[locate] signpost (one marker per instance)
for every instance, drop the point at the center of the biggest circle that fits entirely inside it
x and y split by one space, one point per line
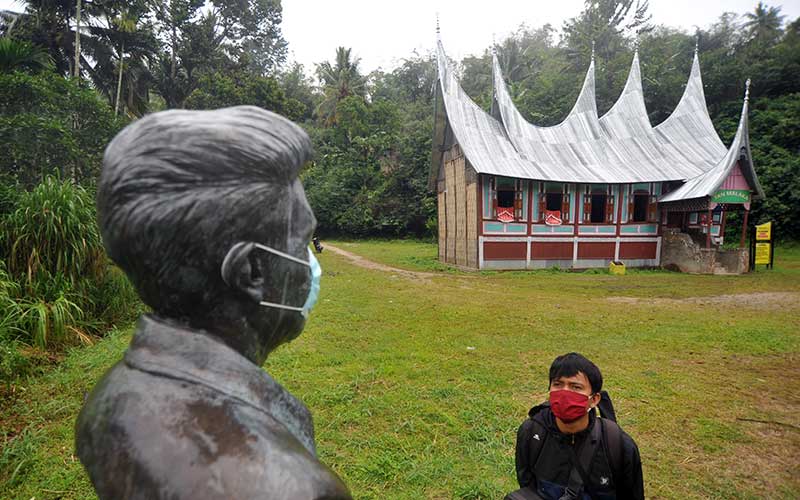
762 247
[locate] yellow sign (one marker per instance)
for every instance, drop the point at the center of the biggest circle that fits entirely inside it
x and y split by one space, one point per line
764 232
762 253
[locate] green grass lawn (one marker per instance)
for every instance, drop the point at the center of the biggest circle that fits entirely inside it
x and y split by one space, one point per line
418 385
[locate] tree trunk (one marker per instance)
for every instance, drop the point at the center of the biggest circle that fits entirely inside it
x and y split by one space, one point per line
119 80
77 66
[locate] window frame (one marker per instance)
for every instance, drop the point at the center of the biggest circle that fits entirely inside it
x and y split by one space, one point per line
565 207
517 207
648 199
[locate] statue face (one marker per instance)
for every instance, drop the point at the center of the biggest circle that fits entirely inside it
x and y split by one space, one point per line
287 282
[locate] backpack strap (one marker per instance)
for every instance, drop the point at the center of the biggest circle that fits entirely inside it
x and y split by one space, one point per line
582 464
612 442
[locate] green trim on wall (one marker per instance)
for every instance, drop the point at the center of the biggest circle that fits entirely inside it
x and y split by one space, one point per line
624 198
572 188
487 193
525 186
639 228
517 228
539 229
504 181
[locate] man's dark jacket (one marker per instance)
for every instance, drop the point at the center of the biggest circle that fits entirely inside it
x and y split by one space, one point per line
549 473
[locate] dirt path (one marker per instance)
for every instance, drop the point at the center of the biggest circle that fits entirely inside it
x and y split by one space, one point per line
368 264
770 300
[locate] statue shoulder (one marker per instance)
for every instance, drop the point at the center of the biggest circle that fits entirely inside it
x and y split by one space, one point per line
184 440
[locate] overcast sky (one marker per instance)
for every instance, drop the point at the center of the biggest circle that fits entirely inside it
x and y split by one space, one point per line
382 33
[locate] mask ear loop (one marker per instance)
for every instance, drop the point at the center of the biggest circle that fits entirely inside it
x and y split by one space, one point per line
285 256
281 306
282 254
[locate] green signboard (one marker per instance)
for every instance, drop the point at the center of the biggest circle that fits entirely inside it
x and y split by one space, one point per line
731 196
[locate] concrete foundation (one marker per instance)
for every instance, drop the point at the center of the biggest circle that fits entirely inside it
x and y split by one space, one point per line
680 252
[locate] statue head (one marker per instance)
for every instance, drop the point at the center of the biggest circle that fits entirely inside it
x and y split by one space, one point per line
187 201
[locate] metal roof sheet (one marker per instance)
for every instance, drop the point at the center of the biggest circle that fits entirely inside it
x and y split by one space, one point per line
707 183
619 147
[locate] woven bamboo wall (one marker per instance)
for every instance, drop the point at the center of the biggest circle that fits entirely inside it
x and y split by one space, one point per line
459 165
471 186
442 218
458 221
450 206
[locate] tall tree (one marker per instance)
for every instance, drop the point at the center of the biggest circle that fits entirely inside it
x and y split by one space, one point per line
764 25
339 80
172 18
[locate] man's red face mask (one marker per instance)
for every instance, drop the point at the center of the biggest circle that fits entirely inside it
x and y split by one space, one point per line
568 405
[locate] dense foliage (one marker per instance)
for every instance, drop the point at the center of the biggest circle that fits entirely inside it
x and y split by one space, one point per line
50 124
65 92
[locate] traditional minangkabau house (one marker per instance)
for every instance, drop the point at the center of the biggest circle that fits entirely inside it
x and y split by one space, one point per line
592 189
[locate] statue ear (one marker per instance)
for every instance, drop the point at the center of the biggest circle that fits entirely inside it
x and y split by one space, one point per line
242 273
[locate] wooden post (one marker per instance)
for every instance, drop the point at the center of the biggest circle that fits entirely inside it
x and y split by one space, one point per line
708 228
744 228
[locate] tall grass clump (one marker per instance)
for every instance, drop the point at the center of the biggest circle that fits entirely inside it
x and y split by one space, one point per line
59 286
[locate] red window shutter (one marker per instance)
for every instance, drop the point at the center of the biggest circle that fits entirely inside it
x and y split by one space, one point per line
587 208
542 205
565 207
630 207
653 209
610 208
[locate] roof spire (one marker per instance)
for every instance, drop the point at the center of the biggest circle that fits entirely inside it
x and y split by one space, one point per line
636 44
747 90
697 42
592 50
494 45
438 33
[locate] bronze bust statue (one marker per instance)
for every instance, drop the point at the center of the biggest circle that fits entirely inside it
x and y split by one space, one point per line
204 212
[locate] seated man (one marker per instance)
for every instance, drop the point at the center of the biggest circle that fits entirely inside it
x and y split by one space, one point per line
204 212
564 451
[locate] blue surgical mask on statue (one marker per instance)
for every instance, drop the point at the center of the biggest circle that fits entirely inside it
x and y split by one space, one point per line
316 276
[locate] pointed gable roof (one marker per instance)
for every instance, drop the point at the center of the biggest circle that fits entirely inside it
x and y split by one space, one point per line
619 147
707 183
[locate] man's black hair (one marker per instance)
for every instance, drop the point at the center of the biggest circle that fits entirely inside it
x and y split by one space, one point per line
570 364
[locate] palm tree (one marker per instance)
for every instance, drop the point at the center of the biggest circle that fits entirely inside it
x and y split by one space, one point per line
764 25
339 80
22 56
123 49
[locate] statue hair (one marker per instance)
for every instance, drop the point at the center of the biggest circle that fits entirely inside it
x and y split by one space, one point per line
178 188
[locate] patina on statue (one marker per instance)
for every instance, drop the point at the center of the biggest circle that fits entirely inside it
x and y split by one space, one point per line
204 212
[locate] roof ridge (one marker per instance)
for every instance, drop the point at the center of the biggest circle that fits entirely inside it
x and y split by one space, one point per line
633 85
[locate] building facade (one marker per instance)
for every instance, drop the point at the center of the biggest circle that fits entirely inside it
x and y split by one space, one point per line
592 189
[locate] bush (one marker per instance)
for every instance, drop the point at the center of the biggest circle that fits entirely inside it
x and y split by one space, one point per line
53 232
57 285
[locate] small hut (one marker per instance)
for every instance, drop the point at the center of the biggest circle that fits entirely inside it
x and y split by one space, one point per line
592 189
